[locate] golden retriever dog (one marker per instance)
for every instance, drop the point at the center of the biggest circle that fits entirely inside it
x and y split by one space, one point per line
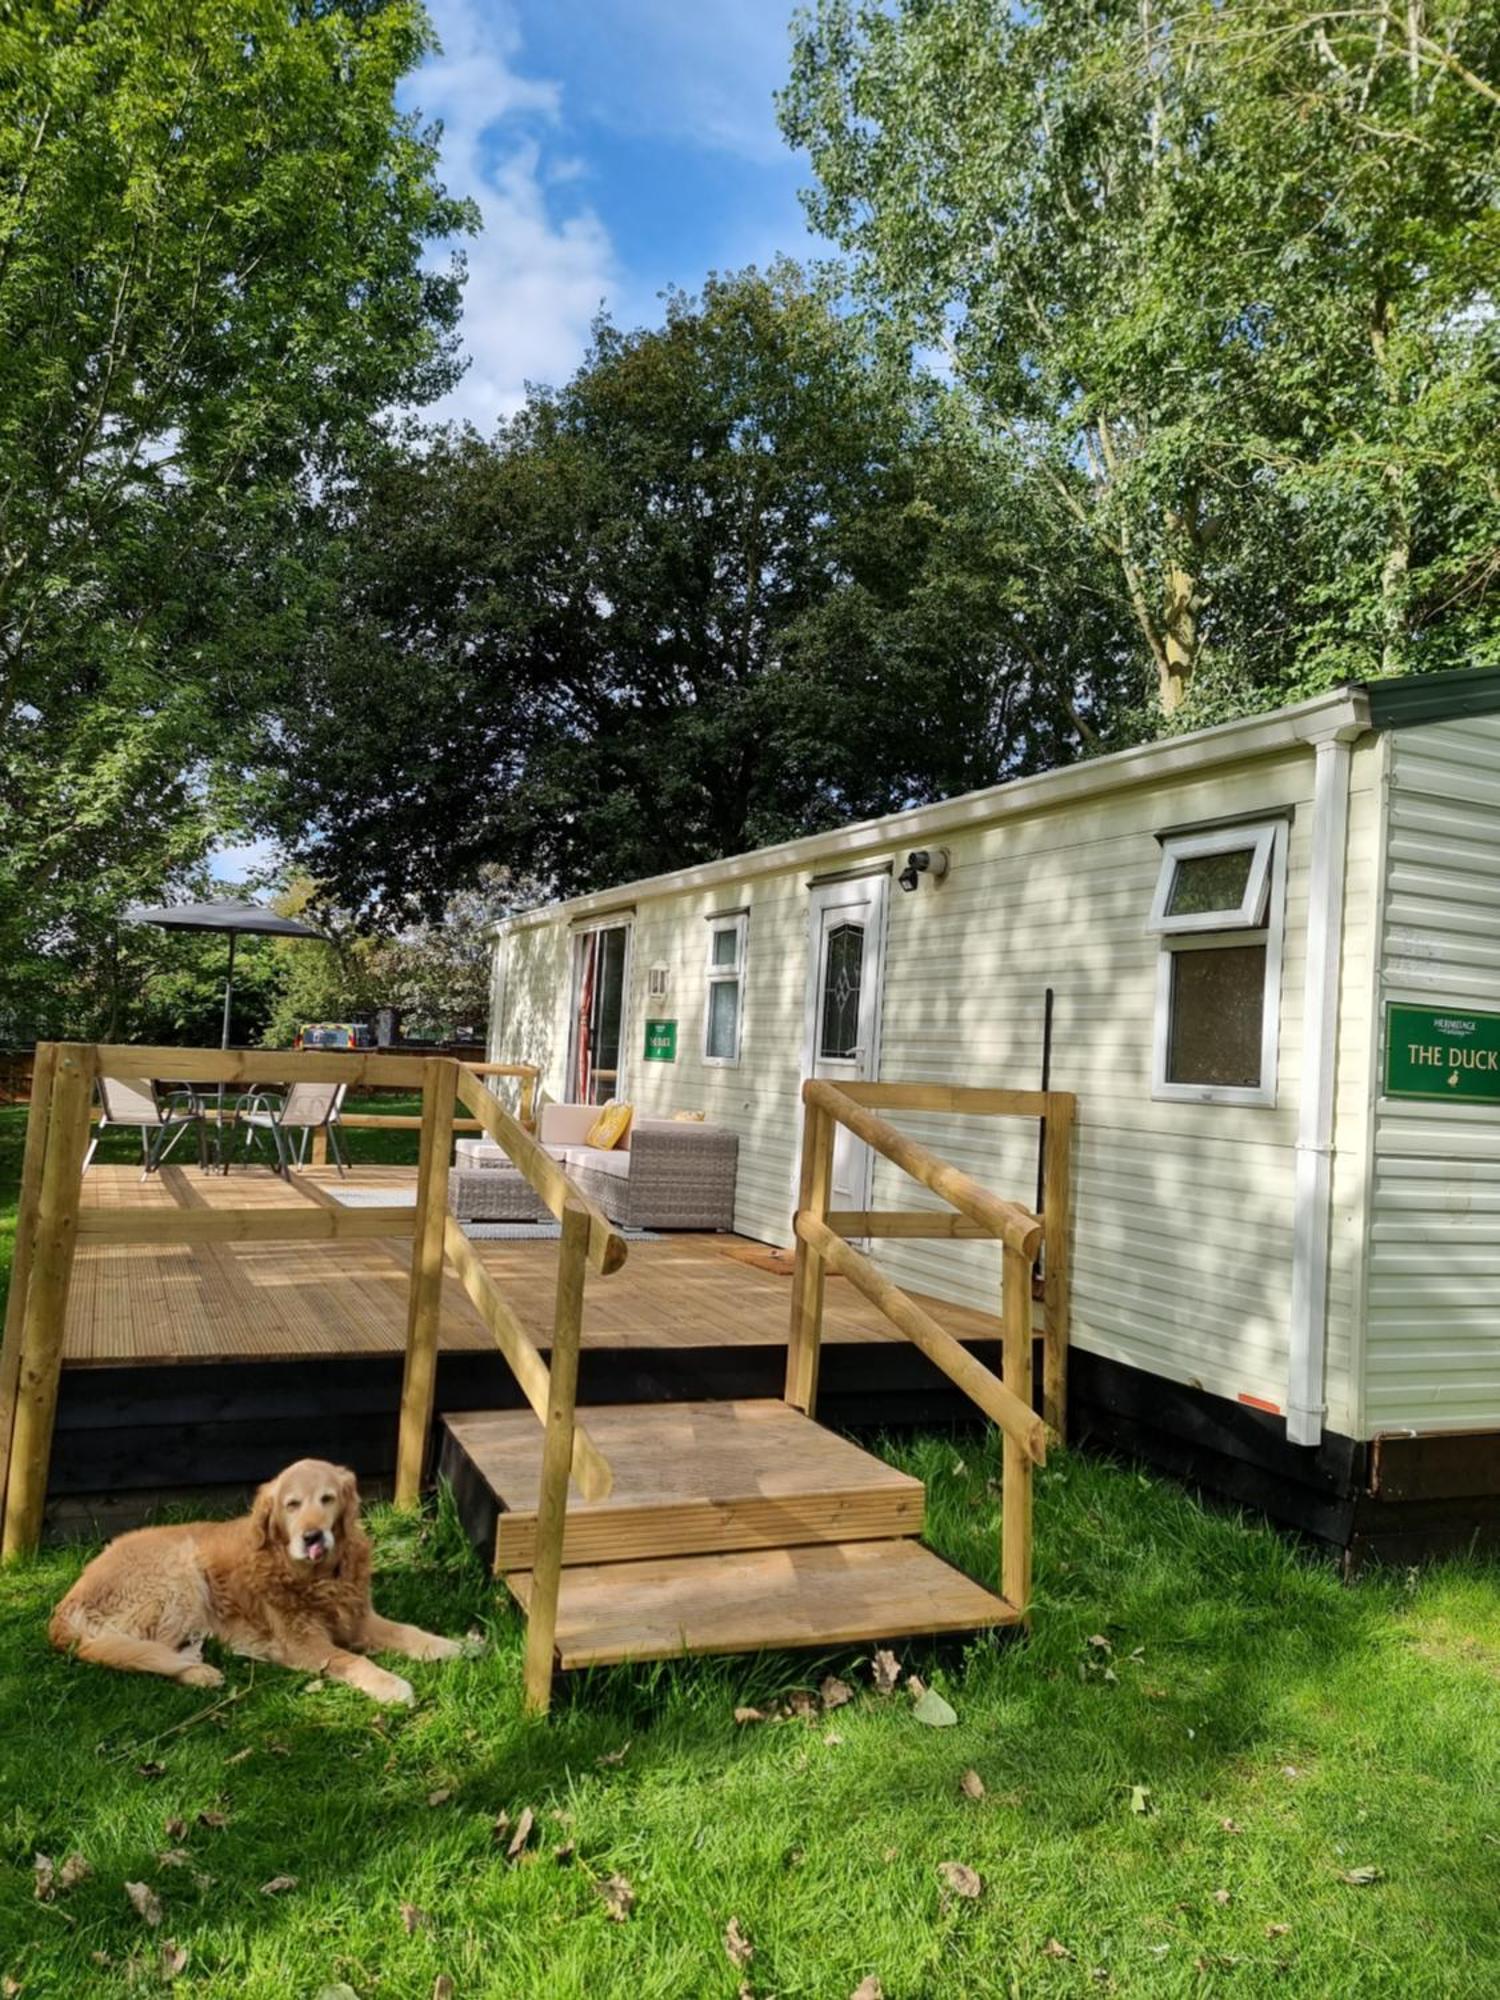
288 1582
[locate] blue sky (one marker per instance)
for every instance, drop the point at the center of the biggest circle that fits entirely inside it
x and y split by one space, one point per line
615 147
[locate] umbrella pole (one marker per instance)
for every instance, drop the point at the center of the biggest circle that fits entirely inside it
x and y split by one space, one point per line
224 1044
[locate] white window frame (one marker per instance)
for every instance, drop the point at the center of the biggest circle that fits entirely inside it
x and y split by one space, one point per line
1249 913
1261 919
738 922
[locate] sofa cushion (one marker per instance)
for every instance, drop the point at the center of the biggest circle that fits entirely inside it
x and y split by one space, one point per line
597 1160
610 1127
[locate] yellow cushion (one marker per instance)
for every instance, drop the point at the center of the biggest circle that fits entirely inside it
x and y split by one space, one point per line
687 1117
610 1127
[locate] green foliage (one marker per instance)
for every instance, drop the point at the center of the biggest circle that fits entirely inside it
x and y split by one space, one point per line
736 580
1224 276
212 224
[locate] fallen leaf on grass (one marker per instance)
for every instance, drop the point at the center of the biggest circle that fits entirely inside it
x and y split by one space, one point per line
744 1715
617 1897
885 1670
739 1947
521 1835
961 1879
801 1702
172 1961
214 1821
868 1988
174 1829
152 1769
930 1708
1230 1826
834 1693
614 1756
413 1919
441 1796
173 1857
1140 1799
1223 1898
1361 1878
442 1987
44 1878
971 1785
1277 1930
1053 1948
145 1902
240 1755
9 1988
278 1885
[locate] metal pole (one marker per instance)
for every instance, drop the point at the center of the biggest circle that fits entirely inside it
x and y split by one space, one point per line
224 1044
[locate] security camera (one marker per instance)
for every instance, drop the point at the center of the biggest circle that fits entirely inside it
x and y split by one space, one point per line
922 861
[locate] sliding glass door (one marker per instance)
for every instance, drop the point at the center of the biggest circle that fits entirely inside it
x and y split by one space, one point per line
601 965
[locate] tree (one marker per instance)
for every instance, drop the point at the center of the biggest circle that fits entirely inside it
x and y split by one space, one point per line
212 227
1224 277
736 580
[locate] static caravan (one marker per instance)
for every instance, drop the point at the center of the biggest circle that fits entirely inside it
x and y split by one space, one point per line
1269 954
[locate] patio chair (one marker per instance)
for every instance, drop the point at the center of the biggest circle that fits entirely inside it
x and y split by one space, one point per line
291 1117
162 1117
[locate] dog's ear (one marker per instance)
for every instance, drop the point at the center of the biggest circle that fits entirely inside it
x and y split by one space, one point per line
348 1500
265 1516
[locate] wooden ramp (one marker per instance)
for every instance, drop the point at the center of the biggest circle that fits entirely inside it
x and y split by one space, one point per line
731 1527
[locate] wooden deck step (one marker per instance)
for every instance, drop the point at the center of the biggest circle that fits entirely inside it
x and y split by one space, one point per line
826 1594
690 1478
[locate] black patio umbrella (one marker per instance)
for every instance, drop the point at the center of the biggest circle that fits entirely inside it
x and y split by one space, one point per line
236 919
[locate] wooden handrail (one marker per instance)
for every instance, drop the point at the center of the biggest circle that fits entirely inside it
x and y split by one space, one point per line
980 1384
1005 1220
590 1468
607 1248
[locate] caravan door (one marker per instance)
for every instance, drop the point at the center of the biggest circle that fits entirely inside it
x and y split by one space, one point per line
845 963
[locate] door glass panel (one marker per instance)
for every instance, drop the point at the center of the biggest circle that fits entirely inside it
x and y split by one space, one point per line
843 971
723 1019
726 947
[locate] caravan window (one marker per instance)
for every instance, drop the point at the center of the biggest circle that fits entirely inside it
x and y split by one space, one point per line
724 1002
1218 913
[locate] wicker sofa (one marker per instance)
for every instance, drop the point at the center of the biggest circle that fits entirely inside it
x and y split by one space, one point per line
663 1174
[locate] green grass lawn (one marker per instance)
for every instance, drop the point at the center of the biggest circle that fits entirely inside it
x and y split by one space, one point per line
1187 1773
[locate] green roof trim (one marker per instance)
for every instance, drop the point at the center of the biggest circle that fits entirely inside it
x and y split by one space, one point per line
1408 699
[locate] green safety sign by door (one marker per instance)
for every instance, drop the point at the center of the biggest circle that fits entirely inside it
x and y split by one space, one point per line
1442 1052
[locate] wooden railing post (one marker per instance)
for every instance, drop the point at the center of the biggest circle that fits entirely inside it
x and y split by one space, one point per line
557 1459
425 1299
32 1157
1057 1225
1015 1479
528 1100
805 1337
47 1273
318 1156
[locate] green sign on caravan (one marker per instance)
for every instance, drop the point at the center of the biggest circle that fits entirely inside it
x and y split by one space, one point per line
1442 1052
661 1041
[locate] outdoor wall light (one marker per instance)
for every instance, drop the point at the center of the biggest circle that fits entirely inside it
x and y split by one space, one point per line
931 861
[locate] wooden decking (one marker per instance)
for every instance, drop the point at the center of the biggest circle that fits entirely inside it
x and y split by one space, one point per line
149 1304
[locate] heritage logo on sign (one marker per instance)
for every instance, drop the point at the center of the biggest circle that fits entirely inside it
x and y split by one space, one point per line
1438 1052
661 1041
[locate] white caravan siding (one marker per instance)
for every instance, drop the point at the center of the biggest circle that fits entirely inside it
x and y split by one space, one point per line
1433 1359
1182 1249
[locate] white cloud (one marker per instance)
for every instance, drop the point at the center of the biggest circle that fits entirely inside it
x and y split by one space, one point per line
537 274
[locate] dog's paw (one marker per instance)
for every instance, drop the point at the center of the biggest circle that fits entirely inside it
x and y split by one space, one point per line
397 1693
438 1648
201 1676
